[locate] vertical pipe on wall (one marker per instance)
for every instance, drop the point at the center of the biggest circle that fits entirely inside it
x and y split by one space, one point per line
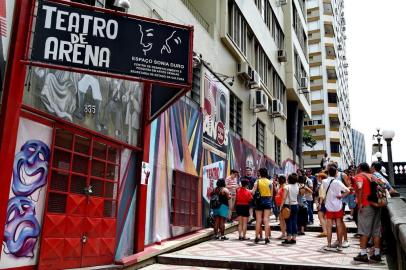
12 99
141 207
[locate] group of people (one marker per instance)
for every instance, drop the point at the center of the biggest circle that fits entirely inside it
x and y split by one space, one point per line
363 190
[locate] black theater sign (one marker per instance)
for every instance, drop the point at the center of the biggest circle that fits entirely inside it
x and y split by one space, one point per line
130 46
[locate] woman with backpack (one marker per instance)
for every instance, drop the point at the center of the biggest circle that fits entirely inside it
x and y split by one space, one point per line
243 199
279 203
263 188
220 201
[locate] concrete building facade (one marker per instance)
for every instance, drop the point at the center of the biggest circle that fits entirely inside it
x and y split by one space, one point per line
330 123
358 144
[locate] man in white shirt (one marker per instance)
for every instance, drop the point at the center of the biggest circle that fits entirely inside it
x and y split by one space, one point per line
335 191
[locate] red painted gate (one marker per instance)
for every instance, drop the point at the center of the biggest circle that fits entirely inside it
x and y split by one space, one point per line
80 217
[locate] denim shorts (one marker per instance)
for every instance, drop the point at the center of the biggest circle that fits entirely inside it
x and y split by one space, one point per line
350 201
266 203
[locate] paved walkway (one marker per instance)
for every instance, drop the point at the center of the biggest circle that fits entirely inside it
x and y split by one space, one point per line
307 252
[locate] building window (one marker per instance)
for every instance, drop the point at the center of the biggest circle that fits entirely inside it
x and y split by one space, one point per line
260 136
271 21
300 71
330 52
237 27
328 9
279 90
335 147
185 205
300 33
277 32
278 158
332 98
331 73
235 114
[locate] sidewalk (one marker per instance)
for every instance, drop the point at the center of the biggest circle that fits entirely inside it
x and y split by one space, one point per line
308 253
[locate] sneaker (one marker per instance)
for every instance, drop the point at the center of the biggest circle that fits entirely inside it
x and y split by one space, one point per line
216 237
375 258
361 258
224 237
327 248
345 244
292 241
286 242
310 223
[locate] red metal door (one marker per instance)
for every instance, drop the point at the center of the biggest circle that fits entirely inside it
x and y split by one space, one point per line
80 218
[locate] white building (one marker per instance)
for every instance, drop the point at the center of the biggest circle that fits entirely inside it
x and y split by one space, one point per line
330 123
358 143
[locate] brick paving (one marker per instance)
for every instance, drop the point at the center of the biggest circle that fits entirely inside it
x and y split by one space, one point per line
307 252
176 267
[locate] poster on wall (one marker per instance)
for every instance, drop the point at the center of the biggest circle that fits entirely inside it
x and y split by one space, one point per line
109 106
144 49
216 109
26 202
211 173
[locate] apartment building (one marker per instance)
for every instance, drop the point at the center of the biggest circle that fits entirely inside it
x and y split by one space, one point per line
330 123
358 144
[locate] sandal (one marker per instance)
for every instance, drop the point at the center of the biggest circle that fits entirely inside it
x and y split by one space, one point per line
224 237
246 238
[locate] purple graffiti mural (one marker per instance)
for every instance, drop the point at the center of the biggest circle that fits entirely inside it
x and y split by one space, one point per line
30 170
22 228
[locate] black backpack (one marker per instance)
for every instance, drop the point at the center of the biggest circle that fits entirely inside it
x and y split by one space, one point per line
215 199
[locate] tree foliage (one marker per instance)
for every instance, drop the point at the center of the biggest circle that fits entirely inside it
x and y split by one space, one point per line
308 139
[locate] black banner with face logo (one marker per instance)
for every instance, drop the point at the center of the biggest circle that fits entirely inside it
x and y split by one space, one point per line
147 50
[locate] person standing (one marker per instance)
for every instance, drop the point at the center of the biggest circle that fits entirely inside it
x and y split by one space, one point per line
263 210
232 185
369 215
335 191
222 212
324 161
251 181
290 201
309 196
321 207
280 195
243 199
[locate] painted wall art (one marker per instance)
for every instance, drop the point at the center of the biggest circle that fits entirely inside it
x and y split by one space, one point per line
27 195
109 106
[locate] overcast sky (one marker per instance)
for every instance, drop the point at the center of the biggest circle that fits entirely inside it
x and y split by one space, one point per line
376 54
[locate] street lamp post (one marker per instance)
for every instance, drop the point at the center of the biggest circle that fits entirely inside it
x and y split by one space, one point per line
378 137
379 156
388 136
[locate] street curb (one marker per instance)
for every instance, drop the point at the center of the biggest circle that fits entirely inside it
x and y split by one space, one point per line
173 259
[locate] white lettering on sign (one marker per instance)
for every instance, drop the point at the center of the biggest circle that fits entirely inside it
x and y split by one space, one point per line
77 50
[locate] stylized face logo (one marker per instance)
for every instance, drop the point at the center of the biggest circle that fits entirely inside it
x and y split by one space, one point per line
30 168
22 228
146 39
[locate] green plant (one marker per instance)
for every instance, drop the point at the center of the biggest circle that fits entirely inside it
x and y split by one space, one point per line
308 139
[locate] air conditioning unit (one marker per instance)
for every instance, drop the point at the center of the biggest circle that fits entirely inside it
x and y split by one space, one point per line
282 56
258 101
340 47
245 71
346 65
344 28
277 108
304 83
281 3
255 82
346 72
